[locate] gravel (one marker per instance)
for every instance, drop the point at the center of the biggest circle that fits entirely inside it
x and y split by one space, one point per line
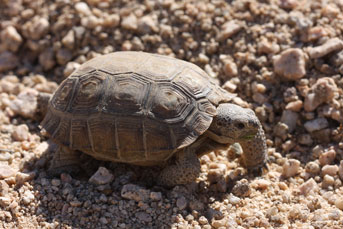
284 60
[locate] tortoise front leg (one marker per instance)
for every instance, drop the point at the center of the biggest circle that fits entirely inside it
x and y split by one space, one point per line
184 171
255 151
65 160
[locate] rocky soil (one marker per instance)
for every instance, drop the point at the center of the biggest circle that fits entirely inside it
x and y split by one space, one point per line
284 57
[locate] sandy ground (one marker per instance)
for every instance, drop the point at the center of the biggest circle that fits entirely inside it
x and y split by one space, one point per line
283 57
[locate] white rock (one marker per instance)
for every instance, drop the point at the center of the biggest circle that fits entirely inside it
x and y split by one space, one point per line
261 184
111 20
4 187
69 39
289 118
328 181
82 8
135 192
331 170
294 106
322 91
25 104
308 186
21 133
130 22
36 28
334 44
11 39
5 201
316 124
102 176
228 29
234 199
70 68
340 170
312 168
147 24
27 197
290 64
290 168
6 171
327 157
339 203
21 178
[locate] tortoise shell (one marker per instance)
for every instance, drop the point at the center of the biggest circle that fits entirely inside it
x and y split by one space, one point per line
133 107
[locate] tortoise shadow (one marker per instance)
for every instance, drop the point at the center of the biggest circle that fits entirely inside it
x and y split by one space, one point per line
73 201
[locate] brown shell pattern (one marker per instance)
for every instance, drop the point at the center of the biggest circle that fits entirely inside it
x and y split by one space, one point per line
133 107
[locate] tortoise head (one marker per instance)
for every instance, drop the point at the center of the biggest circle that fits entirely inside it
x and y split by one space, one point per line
233 124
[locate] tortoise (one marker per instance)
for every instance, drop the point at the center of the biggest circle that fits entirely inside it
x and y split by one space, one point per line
144 109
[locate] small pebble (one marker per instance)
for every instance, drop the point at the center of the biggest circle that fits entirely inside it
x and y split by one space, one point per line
11 39
291 168
334 44
66 178
102 176
20 177
230 68
261 184
135 192
340 170
233 199
295 106
25 103
339 203
28 197
56 182
8 61
143 216
312 168
156 196
130 22
327 157
308 186
323 91
203 220
228 29
103 220
290 64
316 124
241 188
4 188
82 8
21 133
328 181
181 203
331 170
6 171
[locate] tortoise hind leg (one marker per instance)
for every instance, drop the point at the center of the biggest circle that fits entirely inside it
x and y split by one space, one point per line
185 170
65 160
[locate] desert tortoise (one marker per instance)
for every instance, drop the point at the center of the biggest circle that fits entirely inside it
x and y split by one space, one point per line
142 108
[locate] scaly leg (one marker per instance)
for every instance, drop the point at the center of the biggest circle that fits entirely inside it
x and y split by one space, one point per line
185 170
65 160
255 151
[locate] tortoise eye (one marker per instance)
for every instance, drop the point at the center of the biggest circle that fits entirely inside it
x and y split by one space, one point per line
240 125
